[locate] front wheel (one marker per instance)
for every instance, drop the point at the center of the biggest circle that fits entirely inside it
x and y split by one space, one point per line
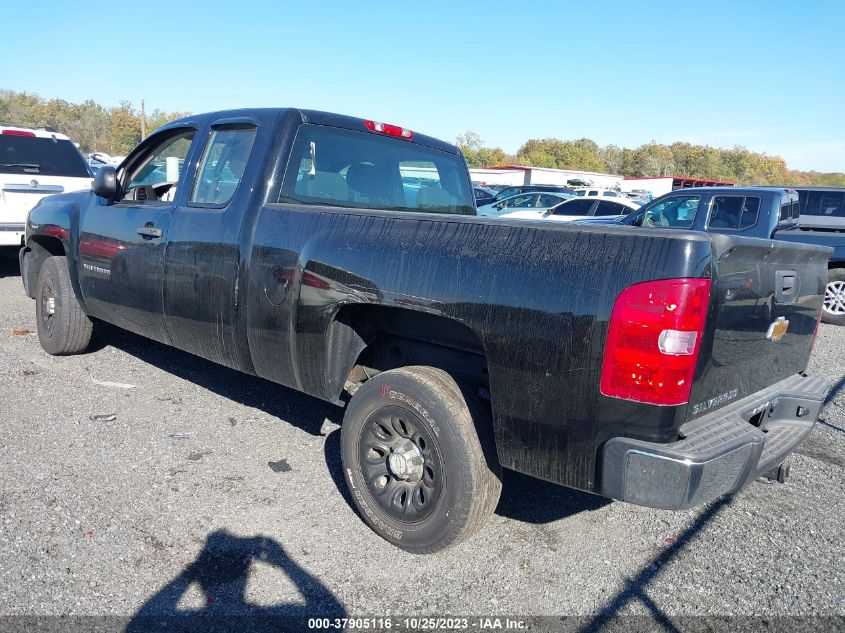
418 458
63 328
833 310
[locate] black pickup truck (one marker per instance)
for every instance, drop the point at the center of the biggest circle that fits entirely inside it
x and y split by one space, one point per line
342 257
762 212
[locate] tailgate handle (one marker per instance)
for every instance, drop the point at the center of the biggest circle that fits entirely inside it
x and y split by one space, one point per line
786 286
149 231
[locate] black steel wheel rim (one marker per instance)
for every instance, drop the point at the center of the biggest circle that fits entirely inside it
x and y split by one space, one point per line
48 306
409 496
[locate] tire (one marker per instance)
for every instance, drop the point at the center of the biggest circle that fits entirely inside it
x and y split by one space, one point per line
414 430
834 297
63 328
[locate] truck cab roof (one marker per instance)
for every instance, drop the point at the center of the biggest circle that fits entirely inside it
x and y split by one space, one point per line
266 115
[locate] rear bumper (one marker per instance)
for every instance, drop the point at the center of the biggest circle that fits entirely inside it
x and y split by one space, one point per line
720 453
12 234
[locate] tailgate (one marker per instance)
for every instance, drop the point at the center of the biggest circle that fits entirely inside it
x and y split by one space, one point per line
768 296
20 192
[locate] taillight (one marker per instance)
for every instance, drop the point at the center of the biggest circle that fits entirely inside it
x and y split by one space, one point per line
55 231
653 341
387 128
313 281
17 133
288 276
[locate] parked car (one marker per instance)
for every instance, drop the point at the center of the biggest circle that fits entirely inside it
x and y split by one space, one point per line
606 360
590 208
507 192
483 195
592 192
762 212
821 207
34 162
537 201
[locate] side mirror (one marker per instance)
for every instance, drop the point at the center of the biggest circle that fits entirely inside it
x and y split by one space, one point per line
638 221
105 182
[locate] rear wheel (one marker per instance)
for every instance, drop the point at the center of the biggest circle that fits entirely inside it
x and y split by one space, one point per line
418 458
63 328
834 297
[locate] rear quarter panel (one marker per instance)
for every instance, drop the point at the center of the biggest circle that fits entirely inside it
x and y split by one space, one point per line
537 295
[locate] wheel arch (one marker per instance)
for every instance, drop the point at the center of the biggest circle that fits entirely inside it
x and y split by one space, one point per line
38 249
365 339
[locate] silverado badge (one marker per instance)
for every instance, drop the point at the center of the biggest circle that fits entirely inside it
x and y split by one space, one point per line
777 329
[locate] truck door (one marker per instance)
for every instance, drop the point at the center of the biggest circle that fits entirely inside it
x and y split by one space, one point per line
203 253
121 244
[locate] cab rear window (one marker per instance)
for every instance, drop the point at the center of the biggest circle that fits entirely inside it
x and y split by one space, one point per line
33 156
344 168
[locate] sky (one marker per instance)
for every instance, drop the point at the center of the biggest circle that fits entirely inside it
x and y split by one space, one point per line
767 75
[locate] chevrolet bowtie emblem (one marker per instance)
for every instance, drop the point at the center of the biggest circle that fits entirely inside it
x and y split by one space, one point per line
777 329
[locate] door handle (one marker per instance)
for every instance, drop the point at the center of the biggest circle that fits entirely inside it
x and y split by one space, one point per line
148 231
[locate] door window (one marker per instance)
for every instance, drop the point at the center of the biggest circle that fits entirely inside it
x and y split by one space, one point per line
222 165
677 212
610 208
521 202
734 213
547 200
574 207
157 175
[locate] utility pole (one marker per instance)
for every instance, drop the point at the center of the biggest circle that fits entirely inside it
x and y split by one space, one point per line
143 120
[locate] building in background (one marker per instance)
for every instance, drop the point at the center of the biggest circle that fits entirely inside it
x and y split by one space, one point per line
515 175
512 175
658 185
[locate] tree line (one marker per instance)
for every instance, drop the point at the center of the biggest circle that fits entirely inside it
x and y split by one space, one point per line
113 130
738 164
117 130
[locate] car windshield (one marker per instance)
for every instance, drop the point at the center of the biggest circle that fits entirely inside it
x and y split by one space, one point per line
41 156
677 212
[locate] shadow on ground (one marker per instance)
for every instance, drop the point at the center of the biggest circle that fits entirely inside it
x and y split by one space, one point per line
291 406
220 575
523 498
636 588
9 262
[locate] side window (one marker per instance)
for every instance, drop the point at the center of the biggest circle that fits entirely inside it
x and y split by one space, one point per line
750 213
339 167
222 165
831 205
784 210
574 207
592 193
674 212
812 205
734 213
521 202
609 208
548 201
156 177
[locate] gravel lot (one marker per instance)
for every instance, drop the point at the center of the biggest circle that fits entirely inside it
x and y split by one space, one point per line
166 502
